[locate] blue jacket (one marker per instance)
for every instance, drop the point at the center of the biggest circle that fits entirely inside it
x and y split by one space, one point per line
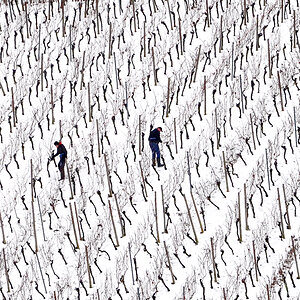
154 136
61 149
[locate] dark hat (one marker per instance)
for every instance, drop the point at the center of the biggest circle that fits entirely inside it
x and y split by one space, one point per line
159 128
56 143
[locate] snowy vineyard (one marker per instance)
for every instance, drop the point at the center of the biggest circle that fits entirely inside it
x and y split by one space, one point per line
220 220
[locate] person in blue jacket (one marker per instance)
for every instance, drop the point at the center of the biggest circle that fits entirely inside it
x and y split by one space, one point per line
62 152
154 139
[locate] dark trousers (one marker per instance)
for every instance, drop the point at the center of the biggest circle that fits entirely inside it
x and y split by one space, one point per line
61 167
155 150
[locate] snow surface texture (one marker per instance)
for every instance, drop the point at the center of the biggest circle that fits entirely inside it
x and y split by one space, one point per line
230 89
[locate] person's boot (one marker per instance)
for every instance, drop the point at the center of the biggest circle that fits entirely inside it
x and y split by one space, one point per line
62 174
158 163
153 162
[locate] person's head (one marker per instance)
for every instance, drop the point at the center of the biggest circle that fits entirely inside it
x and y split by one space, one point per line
56 143
159 129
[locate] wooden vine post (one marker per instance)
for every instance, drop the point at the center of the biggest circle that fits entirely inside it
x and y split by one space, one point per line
97 16
286 208
98 138
82 70
180 36
69 179
156 218
295 256
31 181
116 71
245 13
252 131
13 107
144 39
52 104
255 261
113 224
73 224
232 62
63 18
88 267
34 227
240 217
169 263
163 207
246 207
154 71
280 91
168 98
133 15
6 272
221 35
120 217
140 134
2 229
257 40
204 88
109 41
143 179
197 212
213 259
268 292
176 147
89 102
77 221
269 59
108 178
70 33
26 16
295 126
197 62
295 32
268 171
282 11
191 220
42 71
207 13
280 214
60 130
225 171
216 122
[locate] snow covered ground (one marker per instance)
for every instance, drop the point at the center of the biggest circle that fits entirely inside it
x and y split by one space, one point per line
226 93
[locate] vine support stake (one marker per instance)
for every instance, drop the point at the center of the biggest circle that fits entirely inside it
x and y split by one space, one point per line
240 217
295 256
69 178
169 263
280 91
2 229
246 207
6 272
213 259
88 267
156 218
113 223
226 176
280 214
176 147
286 208
73 224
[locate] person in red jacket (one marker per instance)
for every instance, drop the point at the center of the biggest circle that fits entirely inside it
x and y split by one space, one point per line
63 153
154 139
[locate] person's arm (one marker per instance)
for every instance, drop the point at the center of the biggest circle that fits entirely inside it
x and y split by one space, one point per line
158 137
57 152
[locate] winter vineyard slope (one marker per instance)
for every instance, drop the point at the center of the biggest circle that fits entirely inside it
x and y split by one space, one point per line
220 220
